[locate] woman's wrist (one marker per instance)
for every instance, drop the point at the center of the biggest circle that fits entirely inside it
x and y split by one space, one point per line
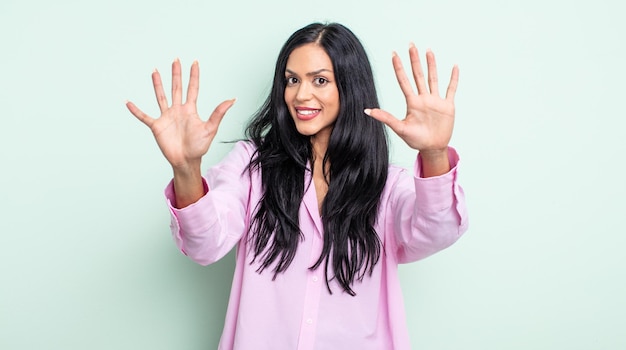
188 185
188 170
434 162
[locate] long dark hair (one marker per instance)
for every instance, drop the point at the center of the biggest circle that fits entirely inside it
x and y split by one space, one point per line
357 160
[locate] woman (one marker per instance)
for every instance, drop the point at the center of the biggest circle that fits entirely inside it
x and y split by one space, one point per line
319 217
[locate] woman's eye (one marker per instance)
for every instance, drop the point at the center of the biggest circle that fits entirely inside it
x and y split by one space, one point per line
321 81
292 80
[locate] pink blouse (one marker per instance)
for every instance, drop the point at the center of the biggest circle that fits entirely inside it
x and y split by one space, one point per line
417 217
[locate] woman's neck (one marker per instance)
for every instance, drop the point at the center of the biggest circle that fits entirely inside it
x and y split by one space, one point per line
319 145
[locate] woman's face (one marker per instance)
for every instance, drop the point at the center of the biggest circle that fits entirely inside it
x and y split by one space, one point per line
311 92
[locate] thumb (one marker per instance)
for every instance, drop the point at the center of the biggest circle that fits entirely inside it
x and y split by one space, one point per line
219 112
384 117
139 114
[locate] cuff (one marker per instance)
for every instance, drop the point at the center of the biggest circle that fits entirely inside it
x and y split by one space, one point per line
189 219
438 192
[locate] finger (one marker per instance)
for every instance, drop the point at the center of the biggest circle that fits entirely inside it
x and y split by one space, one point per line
194 83
218 114
139 114
418 73
386 118
158 90
454 82
177 83
403 80
433 83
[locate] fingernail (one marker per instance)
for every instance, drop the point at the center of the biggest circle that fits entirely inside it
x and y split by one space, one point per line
411 44
367 111
394 54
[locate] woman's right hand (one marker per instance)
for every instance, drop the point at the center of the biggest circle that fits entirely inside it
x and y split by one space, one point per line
180 133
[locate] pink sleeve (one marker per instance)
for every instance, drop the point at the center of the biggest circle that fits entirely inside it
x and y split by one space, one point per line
429 213
209 228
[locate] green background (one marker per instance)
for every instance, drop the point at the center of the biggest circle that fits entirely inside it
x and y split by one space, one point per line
86 257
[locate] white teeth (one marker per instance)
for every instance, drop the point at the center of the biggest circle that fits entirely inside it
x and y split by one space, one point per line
308 111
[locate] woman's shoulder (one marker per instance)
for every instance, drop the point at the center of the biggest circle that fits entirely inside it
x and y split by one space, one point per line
239 154
397 177
245 146
396 171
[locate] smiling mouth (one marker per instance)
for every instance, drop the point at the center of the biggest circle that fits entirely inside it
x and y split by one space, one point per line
307 113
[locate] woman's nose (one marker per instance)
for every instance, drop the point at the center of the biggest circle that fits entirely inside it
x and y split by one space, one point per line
304 92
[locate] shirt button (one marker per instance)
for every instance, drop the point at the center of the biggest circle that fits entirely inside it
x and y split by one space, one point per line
315 278
309 321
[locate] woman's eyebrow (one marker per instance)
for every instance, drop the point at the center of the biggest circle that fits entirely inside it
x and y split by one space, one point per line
310 73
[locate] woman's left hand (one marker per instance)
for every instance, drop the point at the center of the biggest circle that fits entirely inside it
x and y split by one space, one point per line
429 118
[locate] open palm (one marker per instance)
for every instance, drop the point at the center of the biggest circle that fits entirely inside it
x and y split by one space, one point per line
181 134
429 120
